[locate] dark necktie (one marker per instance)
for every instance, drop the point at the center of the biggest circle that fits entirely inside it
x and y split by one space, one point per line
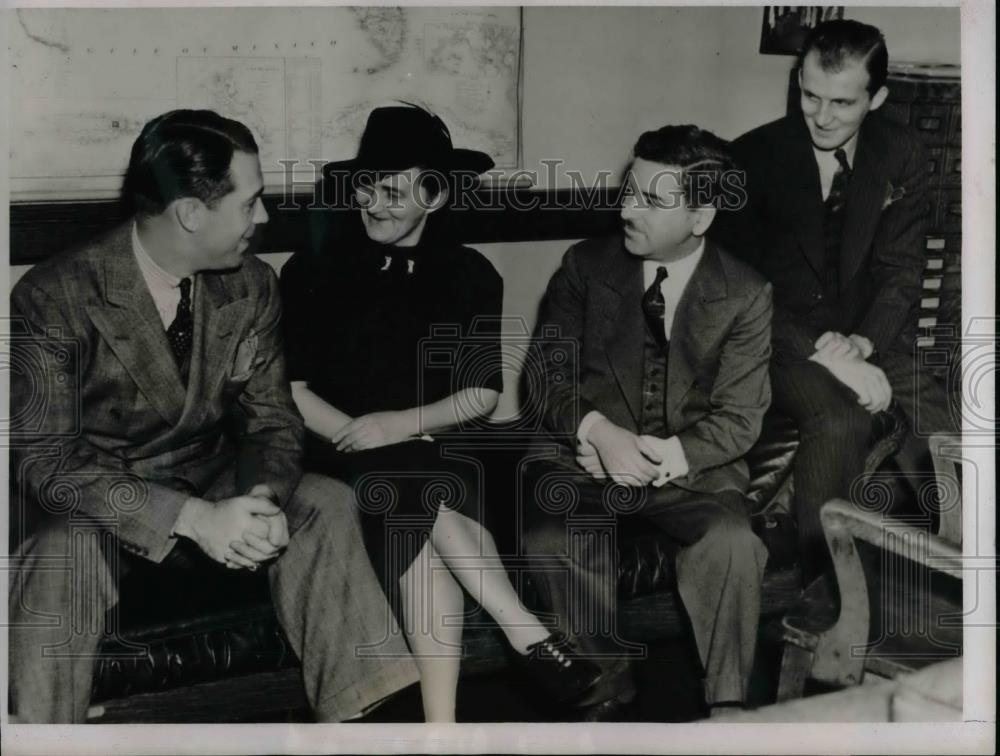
181 330
835 211
654 307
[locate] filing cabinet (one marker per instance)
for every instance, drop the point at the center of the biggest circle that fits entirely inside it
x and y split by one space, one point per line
928 98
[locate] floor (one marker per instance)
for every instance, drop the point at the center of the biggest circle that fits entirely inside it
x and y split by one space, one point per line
669 691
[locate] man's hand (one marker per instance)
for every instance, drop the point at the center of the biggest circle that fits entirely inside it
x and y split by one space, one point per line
588 458
864 344
865 380
832 345
673 465
627 459
217 526
277 527
377 429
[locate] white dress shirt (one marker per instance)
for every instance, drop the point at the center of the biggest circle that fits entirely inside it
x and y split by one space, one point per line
679 273
163 286
826 160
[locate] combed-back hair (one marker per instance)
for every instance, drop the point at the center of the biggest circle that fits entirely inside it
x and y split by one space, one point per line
183 153
703 158
842 42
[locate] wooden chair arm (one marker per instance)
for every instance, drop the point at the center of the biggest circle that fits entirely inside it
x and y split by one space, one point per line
946 453
840 651
901 538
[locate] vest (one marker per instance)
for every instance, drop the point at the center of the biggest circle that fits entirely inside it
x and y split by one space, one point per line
654 387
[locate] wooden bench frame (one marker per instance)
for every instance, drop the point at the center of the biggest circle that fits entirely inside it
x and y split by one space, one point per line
831 656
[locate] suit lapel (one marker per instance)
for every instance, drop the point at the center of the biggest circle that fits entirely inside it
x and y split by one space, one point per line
619 301
864 200
130 324
697 320
218 311
802 179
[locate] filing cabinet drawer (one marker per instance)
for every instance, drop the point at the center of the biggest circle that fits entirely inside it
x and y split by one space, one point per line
931 122
935 165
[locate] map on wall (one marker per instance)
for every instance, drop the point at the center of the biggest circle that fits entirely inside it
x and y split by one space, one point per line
82 82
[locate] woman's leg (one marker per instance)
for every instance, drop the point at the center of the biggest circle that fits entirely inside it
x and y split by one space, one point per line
471 554
429 595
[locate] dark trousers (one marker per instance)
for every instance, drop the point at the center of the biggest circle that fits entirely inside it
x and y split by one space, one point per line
399 490
571 546
834 434
65 580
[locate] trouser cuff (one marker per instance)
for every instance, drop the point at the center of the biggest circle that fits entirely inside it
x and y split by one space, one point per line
358 699
724 689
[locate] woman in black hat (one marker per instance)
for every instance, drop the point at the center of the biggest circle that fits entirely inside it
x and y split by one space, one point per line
392 334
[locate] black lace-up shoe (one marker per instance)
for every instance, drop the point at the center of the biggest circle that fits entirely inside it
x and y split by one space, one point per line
558 669
620 708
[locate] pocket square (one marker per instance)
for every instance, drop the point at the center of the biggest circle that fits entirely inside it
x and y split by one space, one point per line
893 194
246 358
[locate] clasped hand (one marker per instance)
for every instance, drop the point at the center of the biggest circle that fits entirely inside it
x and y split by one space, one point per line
836 345
627 458
844 357
241 531
376 429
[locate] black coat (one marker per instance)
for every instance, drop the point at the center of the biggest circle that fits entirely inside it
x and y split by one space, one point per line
779 231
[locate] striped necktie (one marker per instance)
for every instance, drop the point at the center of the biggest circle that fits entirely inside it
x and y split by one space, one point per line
835 213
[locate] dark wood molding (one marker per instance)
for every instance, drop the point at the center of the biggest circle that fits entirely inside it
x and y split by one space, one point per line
41 229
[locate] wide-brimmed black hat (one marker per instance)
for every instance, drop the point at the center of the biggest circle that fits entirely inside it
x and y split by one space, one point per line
400 137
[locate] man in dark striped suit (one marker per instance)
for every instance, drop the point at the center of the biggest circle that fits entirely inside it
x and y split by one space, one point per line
834 218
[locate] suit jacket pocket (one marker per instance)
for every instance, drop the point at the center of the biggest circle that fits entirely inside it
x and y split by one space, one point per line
246 360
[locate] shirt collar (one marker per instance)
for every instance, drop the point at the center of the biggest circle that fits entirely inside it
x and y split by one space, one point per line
148 265
682 267
849 147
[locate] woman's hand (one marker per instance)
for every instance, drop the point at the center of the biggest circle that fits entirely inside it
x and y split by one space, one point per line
376 429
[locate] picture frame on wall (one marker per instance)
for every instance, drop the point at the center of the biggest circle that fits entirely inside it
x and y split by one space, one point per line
785 27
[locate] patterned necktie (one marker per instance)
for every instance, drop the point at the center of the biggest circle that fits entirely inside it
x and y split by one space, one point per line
835 209
654 307
181 330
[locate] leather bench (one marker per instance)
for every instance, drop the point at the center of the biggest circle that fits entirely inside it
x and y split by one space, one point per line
208 648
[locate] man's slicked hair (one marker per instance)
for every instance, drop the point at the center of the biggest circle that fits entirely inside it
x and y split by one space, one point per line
183 153
842 42
702 156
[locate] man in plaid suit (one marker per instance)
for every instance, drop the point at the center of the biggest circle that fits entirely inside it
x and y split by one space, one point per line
170 431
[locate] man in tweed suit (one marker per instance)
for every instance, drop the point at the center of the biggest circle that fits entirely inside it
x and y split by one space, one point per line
172 431
673 336
835 221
